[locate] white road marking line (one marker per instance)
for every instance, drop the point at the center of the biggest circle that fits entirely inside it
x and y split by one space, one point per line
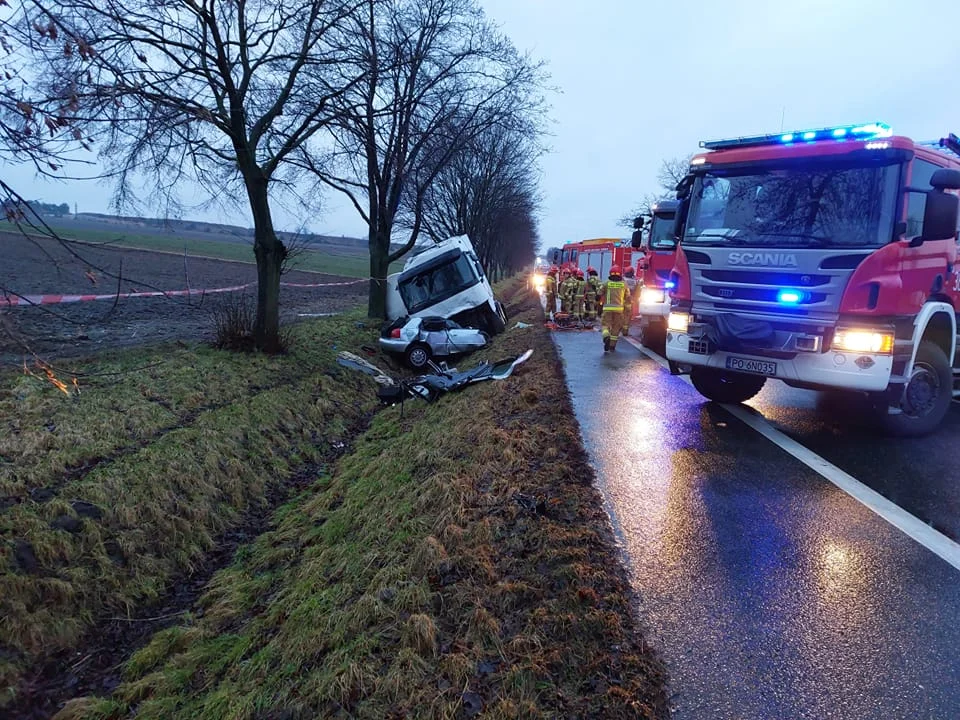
912 526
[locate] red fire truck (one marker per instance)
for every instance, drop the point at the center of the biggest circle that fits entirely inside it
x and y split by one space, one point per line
658 250
599 253
825 258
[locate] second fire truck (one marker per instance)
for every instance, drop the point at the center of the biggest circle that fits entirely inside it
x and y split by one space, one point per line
825 258
658 250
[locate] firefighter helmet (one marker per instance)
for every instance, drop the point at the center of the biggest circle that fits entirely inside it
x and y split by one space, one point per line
579 274
615 270
628 272
591 270
553 270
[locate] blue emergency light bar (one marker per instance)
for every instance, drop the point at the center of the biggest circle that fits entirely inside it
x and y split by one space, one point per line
867 131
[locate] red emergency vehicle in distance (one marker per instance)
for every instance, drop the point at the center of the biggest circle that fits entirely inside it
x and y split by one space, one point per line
825 258
657 247
598 253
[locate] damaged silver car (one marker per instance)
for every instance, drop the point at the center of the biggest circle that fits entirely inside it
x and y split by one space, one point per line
419 340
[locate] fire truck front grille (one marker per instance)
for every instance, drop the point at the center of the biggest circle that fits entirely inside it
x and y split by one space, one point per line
760 277
809 288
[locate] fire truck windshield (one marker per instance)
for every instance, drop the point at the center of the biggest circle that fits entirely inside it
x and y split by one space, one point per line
661 233
799 206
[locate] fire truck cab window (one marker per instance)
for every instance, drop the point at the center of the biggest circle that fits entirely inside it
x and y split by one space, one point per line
661 234
920 175
829 205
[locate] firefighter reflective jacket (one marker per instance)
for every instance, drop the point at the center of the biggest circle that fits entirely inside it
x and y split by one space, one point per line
616 296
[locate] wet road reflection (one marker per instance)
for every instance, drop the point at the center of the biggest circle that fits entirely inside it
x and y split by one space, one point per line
920 475
771 593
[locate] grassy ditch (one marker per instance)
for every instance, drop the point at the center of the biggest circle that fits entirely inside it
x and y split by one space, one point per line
456 563
109 496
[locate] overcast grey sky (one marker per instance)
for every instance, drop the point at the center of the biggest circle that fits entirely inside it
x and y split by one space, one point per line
642 81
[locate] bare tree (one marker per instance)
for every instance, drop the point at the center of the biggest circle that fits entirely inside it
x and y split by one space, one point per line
671 172
489 191
436 73
216 92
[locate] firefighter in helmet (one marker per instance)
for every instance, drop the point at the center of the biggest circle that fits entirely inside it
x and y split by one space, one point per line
590 292
568 289
578 306
631 282
550 291
616 303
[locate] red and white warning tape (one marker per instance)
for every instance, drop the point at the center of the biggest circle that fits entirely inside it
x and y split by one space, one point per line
316 285
51 299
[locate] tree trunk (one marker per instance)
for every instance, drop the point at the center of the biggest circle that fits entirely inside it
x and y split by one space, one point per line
379 266
270 253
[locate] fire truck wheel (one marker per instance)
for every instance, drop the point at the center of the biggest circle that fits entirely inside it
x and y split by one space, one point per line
418 355
725 387
926 397
655 337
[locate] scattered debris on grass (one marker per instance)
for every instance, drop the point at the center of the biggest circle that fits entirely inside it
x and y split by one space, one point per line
441 380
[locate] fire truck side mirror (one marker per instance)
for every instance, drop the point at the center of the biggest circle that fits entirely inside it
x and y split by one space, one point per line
638 223
939 217
636 240
945 179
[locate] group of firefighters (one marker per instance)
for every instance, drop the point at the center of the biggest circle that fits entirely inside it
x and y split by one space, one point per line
584 298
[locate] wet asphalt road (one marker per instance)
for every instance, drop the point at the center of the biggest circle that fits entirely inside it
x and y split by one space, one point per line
769 592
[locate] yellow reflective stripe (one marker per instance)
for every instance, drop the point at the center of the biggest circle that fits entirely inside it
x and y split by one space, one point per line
613 308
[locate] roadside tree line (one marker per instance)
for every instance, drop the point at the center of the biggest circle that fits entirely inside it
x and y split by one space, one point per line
421 112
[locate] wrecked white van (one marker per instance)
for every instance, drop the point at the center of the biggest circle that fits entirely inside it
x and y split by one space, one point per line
446 280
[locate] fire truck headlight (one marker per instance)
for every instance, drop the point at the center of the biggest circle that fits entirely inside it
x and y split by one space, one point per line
652 296
539 281
678 322
863 341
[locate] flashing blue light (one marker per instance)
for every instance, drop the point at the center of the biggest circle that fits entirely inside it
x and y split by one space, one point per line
789 297
669 285
867 131
878 130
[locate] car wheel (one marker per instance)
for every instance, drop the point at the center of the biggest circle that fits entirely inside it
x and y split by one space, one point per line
725 387
418 355
926 396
